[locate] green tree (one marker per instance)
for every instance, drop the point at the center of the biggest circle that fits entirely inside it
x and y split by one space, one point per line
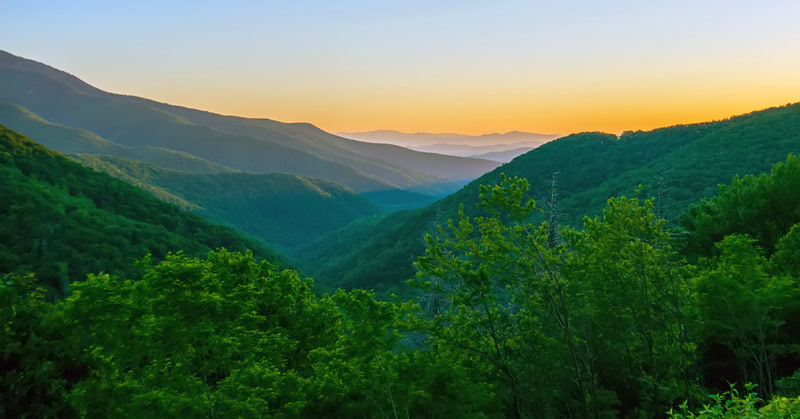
225 336
562 329
635 306
764 207
37 364
731 405
742 308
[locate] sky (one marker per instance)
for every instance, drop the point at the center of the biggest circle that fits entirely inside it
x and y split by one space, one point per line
428 66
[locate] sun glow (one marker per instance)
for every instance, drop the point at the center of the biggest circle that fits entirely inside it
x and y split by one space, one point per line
464 67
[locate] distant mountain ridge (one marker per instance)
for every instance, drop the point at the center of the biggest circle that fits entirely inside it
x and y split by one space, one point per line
461 145
504 156
369 157
426 138
242 144
480 149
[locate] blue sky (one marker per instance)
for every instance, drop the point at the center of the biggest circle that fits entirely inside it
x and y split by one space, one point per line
428 66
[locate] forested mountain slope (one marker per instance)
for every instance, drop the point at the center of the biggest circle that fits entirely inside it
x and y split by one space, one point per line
62 221
279 208
488 337
381 159
259 146
69 140
765 207
692 159
129 123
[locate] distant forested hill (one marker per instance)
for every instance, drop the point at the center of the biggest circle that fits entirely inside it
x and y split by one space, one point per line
279 208
688 161
61 220
382 160
69 140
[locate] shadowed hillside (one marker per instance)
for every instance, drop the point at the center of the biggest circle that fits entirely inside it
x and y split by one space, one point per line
279 208
61 220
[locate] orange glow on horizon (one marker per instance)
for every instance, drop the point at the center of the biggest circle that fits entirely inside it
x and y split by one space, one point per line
617 96
613 115
464 67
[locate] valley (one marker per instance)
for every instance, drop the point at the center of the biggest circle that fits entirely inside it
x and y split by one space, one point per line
168 261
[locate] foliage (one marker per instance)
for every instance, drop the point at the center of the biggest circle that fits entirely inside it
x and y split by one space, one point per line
744 309
731 405
279 208
786 259
582 314
223 336
564 327
37 365
196 338
764 207
748 292
514 317
789 386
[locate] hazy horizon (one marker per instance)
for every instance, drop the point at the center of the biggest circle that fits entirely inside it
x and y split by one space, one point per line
465 67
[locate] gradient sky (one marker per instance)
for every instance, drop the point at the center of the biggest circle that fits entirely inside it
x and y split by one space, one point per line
448 66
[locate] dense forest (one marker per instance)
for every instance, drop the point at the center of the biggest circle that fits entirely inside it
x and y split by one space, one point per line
62 221
512 312
281 209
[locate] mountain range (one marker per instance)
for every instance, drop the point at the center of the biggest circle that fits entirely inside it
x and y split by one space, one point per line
240 144
354 214
160 261
495 146
419 139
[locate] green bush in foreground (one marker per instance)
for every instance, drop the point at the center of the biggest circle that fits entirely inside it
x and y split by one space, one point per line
731 405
